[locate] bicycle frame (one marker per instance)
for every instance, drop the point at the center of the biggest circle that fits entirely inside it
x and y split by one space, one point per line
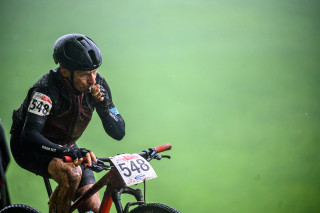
115 187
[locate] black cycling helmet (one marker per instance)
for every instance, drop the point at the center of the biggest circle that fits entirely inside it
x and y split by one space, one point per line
77 52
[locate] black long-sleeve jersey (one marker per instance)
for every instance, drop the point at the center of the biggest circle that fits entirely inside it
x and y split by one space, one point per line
54 115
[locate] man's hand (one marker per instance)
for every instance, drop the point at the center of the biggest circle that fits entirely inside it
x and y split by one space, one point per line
90 156
96 93
77 155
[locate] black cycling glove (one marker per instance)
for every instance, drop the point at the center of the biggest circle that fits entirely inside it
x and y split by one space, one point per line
74 153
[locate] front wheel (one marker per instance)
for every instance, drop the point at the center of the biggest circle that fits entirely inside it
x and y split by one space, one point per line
19 208
154 208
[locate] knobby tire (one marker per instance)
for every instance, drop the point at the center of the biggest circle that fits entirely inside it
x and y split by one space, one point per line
154 208
19 208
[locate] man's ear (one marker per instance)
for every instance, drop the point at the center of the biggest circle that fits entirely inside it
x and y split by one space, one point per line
65 72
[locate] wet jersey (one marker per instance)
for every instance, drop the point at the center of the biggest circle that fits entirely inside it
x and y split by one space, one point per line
63 113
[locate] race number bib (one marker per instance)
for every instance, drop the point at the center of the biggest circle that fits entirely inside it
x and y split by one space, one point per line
133 169
40 104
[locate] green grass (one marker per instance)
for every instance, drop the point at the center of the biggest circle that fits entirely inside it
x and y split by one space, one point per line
232 85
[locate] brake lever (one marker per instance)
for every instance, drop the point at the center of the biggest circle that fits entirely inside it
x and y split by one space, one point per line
153 154
99 166
159 157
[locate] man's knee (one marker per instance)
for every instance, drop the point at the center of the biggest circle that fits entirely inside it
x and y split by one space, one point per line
64 173
73 174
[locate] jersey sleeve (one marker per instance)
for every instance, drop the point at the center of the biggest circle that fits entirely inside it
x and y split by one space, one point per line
112 121
40 104
38 110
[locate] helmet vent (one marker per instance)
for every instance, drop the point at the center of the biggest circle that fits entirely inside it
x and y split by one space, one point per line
71 50
84 42
93 58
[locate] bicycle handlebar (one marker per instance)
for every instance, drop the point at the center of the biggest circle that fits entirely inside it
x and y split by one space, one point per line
163 148
144 154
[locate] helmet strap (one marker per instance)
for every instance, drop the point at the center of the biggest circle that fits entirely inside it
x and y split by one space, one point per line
72 81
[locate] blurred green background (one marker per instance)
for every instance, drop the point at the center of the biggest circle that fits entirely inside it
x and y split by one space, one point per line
232 85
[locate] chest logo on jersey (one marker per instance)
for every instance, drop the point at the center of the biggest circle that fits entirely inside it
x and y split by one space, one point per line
40 104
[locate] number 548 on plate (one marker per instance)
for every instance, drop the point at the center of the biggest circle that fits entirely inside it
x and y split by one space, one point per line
133 169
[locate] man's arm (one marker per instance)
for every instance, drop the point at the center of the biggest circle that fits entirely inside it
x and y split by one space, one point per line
32 136
112 121
38 110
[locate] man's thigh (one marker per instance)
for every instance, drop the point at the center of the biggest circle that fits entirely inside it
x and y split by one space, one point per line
28 159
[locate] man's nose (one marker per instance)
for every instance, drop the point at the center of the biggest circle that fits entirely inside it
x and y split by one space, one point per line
92 79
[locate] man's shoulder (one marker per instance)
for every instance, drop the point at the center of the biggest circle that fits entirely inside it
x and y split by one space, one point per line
100 77
102 81
47 80
48 83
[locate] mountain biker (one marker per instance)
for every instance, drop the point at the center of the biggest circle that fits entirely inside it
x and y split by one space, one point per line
55 113
4 161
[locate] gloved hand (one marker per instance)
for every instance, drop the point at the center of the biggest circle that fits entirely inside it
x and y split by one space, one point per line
97 93
102 100
75 153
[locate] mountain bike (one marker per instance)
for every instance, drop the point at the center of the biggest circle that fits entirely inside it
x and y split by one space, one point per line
124 170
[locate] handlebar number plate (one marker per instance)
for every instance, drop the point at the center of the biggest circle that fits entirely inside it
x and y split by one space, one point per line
133 169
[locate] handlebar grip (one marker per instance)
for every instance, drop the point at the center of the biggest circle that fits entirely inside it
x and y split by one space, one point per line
69 159
163 148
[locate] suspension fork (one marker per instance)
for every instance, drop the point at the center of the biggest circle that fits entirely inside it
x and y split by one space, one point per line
115 188
116 197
